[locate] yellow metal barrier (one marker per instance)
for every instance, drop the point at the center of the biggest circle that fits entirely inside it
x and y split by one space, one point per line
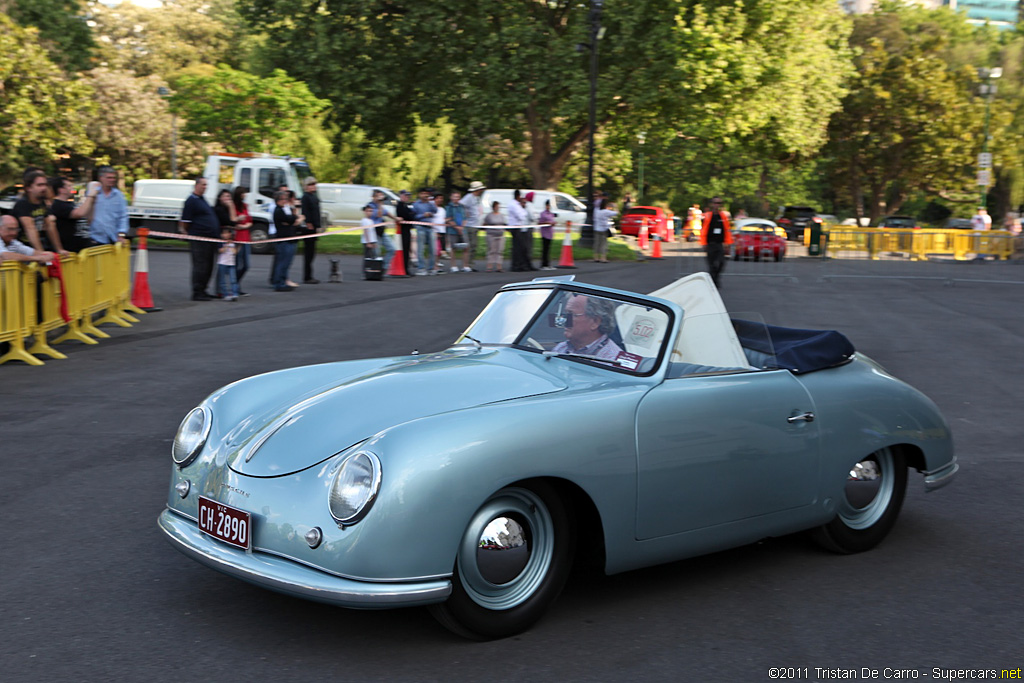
17 310
96 280
918 245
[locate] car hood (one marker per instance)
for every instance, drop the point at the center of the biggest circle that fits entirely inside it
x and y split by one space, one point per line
285 436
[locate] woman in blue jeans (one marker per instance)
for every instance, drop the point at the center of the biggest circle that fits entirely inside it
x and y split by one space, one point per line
285 218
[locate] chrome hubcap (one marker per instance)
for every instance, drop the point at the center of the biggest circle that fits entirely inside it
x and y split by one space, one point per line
503 551
507 549
868 491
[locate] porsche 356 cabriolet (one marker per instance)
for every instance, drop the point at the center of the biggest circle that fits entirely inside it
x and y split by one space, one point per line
567 418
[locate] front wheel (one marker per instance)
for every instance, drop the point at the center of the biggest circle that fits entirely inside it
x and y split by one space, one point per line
871 502
513 561
258 233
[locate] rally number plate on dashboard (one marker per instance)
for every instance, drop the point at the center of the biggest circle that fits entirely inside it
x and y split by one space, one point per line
225 523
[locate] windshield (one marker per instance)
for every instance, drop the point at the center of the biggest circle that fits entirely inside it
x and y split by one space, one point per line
588 328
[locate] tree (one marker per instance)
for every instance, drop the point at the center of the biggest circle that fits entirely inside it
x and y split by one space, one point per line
133 128
910 122
63 29
162 41
513 68
42 112
240 110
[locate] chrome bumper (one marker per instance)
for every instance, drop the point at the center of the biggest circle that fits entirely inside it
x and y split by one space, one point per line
936 479
291 578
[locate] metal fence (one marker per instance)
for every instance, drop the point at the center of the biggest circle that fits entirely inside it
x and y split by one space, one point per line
944 256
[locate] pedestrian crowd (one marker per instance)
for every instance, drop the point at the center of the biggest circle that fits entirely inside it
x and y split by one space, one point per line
45 221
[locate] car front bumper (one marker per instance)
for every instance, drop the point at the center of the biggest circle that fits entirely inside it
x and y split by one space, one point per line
292 578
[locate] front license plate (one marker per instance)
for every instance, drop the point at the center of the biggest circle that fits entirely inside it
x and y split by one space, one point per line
225 523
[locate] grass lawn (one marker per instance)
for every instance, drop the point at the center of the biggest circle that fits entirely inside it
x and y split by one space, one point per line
618 249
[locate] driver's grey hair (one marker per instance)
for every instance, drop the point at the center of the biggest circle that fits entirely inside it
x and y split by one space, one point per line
603 310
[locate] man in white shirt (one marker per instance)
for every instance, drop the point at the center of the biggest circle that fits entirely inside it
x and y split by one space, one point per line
981 220
475 210
518 218
438 221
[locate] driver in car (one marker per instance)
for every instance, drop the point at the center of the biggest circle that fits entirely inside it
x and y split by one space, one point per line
588 321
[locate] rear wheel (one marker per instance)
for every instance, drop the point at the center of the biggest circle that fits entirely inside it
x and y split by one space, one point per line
871 502
513 561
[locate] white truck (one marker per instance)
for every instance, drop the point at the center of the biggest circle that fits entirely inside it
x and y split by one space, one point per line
259 174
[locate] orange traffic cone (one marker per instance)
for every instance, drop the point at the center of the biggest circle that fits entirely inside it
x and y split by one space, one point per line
141 295
656 249
566 260
397 268
670 228
641 238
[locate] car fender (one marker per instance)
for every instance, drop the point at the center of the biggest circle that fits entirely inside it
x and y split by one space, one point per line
471 454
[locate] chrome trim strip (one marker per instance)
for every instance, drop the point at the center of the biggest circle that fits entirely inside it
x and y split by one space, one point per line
294 579
936 479
271 551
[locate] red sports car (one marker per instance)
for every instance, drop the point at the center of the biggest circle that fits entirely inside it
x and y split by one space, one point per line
757 238
634 217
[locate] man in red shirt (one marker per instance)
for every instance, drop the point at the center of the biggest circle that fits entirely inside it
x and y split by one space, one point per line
715 235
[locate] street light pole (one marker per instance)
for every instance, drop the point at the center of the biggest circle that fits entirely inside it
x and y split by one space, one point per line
587 231
988 90
165 93
641 137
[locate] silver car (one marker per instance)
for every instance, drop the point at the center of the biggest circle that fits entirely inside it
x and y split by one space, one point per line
566 419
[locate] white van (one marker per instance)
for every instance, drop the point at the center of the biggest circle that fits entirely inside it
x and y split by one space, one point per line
566 207
161 194
344 203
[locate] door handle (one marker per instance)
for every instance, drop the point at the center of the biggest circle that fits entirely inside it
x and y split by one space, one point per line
802 417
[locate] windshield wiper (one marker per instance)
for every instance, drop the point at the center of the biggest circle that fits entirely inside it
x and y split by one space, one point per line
479 344
614 361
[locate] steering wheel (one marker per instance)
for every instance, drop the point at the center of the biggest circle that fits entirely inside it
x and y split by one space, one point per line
530 341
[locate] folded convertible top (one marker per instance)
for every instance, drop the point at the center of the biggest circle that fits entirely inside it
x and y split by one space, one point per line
800 351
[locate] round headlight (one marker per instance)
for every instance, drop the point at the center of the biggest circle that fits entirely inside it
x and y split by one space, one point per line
354 488
191 436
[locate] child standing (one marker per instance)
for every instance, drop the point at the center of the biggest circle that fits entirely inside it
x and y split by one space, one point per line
369 236
227 278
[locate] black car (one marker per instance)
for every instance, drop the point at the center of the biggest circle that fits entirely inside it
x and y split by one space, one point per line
899 223
794 219
957 224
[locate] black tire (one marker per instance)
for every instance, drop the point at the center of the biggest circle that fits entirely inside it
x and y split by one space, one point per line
260 231
492 596
871 502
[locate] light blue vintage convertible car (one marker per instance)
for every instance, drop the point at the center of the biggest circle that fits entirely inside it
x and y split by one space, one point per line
568 419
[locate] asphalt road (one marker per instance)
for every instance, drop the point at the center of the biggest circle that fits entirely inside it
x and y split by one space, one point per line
89 591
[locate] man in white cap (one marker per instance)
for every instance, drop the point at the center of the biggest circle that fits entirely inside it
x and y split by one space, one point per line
474 207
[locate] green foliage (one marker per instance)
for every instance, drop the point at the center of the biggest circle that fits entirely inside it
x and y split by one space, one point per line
42 112
161 41
63 30
133 130
912 121
242 111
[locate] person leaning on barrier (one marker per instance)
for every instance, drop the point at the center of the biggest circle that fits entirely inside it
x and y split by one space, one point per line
30 212
13 250
65 215
199 220
311 210
109 220
589 321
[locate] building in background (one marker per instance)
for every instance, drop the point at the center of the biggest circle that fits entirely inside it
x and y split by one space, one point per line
1002 14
